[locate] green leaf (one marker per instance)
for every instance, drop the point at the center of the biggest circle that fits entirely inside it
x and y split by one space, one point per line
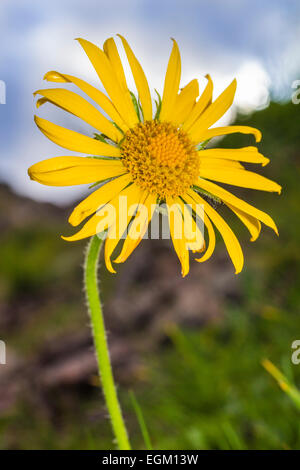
283 382
202 145
207 194
116 125
141 110
101 137
158 106
234 440
101 182
103 157
135 104
141 420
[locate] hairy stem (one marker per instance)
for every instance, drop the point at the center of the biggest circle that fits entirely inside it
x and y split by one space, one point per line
100 342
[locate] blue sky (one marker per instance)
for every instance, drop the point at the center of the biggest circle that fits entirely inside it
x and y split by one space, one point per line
256 41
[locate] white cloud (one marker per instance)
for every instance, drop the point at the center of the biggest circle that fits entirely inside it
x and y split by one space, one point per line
253 87
256 42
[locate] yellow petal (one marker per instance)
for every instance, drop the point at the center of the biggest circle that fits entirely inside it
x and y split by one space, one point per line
120 98
68 171
75 141
177 234
96 95
245 154
138 227
242 178
57 77
216 131
98 223
229 198
202 103
41 101
99 198
118 228
185 102
105 218
81 108
211 232
252 224
213 112
232 244
171 84
192 233
219 163
140 81
111 51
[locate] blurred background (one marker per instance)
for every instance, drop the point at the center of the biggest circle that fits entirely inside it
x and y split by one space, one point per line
191 349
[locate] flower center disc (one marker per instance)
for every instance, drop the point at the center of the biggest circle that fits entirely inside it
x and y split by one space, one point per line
160 158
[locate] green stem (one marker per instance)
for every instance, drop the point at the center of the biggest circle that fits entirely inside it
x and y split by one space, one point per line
100 342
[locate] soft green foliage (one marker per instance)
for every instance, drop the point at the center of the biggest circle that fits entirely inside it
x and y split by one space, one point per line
37 248
284 383
141 421
211 392
206 388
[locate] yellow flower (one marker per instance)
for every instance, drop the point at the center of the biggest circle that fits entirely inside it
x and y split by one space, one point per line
151 157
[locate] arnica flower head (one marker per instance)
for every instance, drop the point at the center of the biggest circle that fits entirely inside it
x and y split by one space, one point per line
151 156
